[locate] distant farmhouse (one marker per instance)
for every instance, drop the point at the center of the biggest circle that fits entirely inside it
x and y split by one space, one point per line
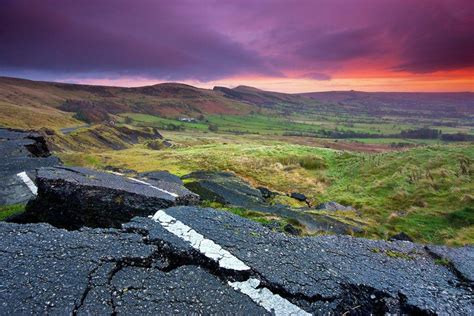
187 119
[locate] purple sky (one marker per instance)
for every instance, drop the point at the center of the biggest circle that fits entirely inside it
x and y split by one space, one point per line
426 43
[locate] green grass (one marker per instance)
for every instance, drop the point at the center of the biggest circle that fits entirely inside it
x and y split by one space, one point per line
10 210
427 192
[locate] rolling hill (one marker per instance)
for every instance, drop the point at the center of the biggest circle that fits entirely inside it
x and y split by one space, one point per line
29 104
32 104
442 104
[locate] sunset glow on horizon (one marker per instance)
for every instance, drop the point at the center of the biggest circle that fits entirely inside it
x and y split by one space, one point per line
286 46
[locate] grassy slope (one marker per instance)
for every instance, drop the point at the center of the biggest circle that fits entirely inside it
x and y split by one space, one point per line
418 191
25 103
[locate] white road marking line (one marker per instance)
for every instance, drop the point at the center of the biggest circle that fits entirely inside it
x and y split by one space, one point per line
156 188
273 303
206 246
29 183
145 183
116 173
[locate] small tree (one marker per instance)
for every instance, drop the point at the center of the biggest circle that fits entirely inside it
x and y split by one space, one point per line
128 120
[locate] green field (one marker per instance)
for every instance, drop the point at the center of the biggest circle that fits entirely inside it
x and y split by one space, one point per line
294 125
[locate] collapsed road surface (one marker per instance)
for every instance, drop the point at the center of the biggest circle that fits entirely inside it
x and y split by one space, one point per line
149 256
205 261
227 188
72 197
21 152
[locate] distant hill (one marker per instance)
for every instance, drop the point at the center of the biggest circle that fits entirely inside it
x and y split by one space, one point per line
28 104
31 104
455 104
261 97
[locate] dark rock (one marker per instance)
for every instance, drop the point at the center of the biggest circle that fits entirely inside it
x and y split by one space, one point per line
22 151
267 193
401 236
119 170
292 230
298 196
75 197
333 206
158 144
161 175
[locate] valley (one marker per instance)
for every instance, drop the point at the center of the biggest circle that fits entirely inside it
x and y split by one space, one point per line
401 174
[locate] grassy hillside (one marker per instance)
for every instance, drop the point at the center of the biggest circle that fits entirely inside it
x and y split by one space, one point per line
424 191
353 148
54 104
442 105
30 104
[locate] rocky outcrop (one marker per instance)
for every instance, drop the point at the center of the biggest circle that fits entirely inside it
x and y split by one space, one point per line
72 197
298 196
227 188
401 236
267 193
22 151
174 263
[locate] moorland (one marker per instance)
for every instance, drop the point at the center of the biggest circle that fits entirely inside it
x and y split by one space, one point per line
404 161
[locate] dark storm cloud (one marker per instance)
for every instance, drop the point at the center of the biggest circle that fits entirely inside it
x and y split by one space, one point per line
124 37
209 39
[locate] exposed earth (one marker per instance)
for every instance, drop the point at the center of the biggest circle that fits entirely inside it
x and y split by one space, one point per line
95 242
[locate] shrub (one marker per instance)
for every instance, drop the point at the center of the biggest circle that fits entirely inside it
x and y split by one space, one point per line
213 128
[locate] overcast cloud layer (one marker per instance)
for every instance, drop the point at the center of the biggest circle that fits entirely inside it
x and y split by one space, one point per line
210 40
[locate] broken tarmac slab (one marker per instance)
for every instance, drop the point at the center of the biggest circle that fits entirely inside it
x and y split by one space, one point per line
460 260
161 176
227 188
328 273
22 151
149 268
72 197
45 270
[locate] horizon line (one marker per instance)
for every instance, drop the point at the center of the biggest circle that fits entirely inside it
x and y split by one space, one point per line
211 89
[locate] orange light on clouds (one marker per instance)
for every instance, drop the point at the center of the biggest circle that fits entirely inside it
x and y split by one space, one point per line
454 81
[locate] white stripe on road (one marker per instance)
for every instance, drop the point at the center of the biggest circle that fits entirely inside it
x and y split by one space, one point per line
156 188
262 296
29 183
273 303
206 246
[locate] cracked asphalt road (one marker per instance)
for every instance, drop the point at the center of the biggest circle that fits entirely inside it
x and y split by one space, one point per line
20 151
144 268
191 260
